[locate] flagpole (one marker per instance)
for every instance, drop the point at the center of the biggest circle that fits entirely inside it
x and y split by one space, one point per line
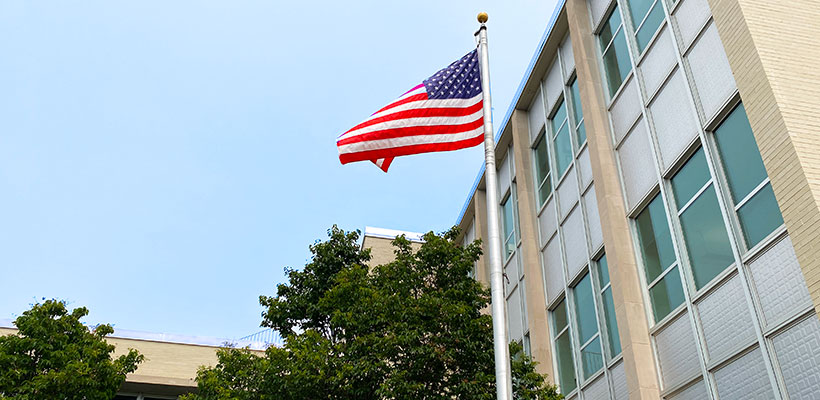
502 357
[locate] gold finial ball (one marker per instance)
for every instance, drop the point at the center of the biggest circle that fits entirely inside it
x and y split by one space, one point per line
482 17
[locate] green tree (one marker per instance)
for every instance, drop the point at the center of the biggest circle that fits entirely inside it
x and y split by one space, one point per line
55 356
409 329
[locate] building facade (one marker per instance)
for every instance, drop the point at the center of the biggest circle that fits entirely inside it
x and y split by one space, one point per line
659 177
171 361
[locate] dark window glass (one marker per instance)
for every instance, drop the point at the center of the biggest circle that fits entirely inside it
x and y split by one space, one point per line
610 28
616 63
559 316
655 240
580 131
542 170
566 370
563 150
744 170
585 310
611 323
740 154
707 242
649 27
507 219
760 216
592 358
609 308
638 10
691 178
666 295
603 271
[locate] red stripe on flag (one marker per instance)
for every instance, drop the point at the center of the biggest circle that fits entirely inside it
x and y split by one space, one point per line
412 131
422 112
410 99
385 164
412 149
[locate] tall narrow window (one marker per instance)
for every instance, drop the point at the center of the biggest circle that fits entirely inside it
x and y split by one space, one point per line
659 260
563 349
647 16
608 305
577 114
615 52
751 191
704 232
527 345
592 359
561 145
542 169
509 222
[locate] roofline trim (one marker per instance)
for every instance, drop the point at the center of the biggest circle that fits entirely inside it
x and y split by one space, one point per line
506 120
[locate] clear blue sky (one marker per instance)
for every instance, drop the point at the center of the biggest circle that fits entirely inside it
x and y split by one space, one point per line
162 162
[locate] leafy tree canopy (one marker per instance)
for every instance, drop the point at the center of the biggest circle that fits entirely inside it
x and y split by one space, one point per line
55 356
409 329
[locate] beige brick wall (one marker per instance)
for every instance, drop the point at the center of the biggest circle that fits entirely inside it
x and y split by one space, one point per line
773 50
166 364
382 250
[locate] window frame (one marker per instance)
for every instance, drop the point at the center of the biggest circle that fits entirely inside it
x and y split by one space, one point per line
711 133
509 200
683 242
542 137
553 135
575 319
563 301
603 326
674 265
637 27
577 145
613 92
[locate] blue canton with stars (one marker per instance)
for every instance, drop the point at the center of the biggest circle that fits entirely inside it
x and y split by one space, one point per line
460 80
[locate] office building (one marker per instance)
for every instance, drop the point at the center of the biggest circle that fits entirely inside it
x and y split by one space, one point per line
171 361
659 183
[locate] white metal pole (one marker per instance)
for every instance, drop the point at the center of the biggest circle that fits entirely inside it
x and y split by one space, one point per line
503 379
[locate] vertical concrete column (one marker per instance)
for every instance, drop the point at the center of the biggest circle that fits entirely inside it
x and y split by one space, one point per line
530 251
630 311
480 211
773 50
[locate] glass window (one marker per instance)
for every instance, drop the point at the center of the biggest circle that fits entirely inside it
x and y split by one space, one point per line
592 359
691 178
754 201
587 324
655 240
613 337
577 114
759 216
507 222
658 256
704 232
740 154
527 345
542 170
615 52
563 349
585 310
560 139
707 242
638 10
647 16
666 294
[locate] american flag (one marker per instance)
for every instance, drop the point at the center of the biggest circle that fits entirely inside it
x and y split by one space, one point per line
443 113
